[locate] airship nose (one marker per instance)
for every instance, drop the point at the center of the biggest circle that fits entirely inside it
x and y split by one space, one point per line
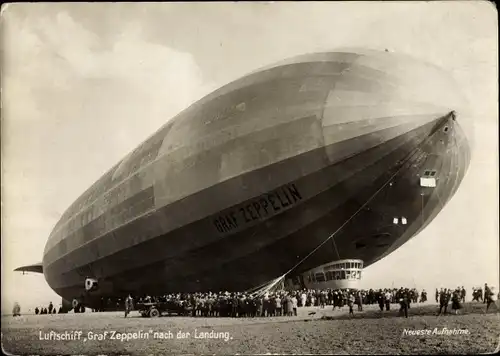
455 137
448 125
448 121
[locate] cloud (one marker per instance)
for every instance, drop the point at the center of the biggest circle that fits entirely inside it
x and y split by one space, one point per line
72 108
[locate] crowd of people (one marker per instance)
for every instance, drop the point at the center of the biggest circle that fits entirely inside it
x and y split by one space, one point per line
477 294
281 303
457 297
49 310
286 302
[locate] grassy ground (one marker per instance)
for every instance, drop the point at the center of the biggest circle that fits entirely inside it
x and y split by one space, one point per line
325 331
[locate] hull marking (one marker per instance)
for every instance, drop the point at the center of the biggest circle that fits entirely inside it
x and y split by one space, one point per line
262 207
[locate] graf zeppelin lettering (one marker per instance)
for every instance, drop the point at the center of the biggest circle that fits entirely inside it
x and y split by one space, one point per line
259 208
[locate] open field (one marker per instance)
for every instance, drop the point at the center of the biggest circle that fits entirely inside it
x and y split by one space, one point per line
326 331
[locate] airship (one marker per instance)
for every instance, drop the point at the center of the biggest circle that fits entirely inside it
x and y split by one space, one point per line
314 167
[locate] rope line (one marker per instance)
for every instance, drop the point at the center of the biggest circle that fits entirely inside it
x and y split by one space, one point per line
346 222
335 246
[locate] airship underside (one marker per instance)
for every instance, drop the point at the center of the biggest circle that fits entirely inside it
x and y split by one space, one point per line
243 185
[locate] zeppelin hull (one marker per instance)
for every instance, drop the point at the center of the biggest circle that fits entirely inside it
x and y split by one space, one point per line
243 185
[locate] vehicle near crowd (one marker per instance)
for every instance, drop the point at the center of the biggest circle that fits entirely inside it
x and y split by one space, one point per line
155 309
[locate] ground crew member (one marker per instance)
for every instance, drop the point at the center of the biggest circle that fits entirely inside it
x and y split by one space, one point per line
16 311
486 292
404 302
351 304
381 300
455 301
128 305
488 297
387 298
359 301
294 305
423 296
443 301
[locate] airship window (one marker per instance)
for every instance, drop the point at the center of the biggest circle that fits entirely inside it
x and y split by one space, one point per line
320 277
433 173
426 173
342 275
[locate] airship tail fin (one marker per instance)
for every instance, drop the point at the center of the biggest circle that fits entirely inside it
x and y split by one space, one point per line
37 268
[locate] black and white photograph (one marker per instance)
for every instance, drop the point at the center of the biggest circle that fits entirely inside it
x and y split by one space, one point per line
250 178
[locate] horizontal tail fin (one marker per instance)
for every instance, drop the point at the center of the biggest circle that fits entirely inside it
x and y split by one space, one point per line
37 268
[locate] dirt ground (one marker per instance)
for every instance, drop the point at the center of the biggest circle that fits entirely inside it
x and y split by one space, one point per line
313 331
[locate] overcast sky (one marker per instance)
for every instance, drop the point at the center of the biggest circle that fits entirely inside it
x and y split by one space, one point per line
84 84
